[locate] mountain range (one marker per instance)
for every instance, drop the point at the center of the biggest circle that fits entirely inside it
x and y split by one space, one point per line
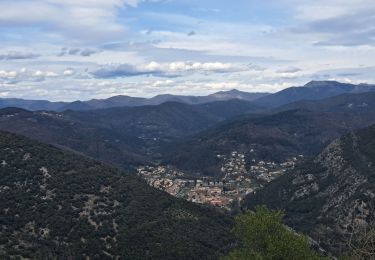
314 90
302 128
57 200
126 101
120 136
191 136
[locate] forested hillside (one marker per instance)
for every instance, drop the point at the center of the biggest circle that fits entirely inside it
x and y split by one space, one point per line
55 203
273 137
331 197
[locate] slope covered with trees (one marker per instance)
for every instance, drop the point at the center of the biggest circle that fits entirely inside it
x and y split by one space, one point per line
359 103
55 203
331 197
273 137
120 136
68 133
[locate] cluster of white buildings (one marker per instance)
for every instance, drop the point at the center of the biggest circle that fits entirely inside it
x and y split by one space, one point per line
237 179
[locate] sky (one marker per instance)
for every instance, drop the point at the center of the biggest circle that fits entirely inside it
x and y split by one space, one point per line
65 50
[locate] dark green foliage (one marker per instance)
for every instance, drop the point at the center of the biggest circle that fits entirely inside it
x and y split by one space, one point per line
273 137
55 203
264 237
121 136
304 127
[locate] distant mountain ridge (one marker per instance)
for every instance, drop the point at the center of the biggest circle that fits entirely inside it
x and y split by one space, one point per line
120 136
127 101
345 103
32 105
190 136
303 127
314 90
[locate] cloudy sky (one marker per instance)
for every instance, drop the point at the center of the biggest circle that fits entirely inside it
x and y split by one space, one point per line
70 49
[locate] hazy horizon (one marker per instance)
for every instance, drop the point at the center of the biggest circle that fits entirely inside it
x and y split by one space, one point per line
80 50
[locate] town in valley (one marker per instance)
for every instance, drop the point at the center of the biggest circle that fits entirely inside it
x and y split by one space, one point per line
237 179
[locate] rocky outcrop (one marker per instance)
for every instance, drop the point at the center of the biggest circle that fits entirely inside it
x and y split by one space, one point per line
332 196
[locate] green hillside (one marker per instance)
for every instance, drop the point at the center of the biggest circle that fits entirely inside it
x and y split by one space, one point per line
56 203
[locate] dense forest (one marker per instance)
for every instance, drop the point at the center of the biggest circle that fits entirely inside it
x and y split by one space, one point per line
56 203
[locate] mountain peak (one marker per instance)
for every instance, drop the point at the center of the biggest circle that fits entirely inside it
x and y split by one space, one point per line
232 91
321 83
237 94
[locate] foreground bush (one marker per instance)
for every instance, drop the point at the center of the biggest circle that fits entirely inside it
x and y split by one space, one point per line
263 236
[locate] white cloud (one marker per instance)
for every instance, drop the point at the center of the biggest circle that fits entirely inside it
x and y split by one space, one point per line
93 3
173 69
85 52
322 9
16 55
288 70
335 22
206 67
79 19
8 74
69 72
22 75
104 52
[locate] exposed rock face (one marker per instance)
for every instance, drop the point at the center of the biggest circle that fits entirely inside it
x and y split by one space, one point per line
332 195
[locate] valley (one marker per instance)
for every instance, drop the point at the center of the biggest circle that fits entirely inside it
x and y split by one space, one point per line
187 130
185 164
239 178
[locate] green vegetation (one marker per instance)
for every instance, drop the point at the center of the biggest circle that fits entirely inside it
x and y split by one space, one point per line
264 237
328 195
56 203
275 137
122 136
